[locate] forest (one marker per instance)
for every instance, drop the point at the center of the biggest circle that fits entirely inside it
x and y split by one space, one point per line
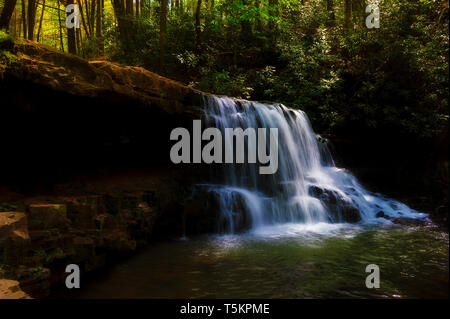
316 55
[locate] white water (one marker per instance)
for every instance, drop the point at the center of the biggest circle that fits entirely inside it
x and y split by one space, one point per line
307 188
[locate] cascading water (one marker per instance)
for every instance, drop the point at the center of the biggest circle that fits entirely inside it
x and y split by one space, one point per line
307 188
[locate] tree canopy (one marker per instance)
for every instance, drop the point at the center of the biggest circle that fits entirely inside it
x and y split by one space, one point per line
316 55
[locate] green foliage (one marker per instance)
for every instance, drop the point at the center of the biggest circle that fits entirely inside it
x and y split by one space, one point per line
7 207
89 47
349 81
393 79
6 44
5 39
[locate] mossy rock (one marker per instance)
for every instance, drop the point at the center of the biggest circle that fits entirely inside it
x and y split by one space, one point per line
6 41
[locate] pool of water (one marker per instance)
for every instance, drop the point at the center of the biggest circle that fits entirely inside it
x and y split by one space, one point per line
287 261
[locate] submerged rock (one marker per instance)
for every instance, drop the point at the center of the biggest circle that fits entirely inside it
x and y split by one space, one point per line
46 216
380 214
413 222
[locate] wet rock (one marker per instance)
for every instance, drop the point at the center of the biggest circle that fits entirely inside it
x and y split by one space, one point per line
35 281
340 210
84 248
46 216
201 212
327 196
60 71
82 210
350 214
10 289
14 238
6 41
105 222
80 231
315 191
413 222
380 214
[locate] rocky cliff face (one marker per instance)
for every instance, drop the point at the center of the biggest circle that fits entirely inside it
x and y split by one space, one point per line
62 114
52 69
10 289
85 174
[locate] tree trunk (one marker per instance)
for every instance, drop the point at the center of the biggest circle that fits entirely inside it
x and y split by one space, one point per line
87 26
358 10
99 33
331 16
60 29
198 29
24 19
162 35
7 11
40 21
273 12
78 41
258 19
123 20
246 28
90 16
129 8
347 13
31 18
71 41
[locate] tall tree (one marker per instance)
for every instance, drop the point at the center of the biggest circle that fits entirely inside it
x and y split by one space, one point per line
24 19
125 24
60 28
347 13
358 10
245 24
71 40
40 21
99 33
198 29
162 34
258 18
129 7
273 10
331 16
32 7
7 11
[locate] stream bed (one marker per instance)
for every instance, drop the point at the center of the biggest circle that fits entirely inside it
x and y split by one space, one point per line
284 261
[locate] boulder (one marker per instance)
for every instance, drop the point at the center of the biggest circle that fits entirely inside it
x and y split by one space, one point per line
380 214
350 214
35 281
56 70
412 222
340 210
47 216
10 289
14 238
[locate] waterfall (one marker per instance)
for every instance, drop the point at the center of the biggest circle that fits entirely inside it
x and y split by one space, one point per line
307 188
